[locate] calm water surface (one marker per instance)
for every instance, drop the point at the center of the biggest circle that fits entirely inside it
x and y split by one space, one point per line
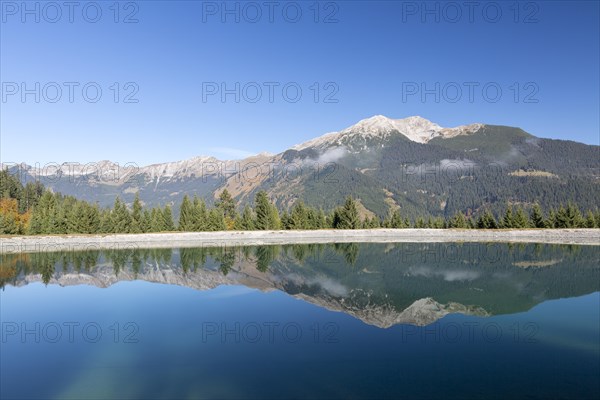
336 321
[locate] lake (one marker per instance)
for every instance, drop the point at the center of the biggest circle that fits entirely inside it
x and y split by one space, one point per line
351 320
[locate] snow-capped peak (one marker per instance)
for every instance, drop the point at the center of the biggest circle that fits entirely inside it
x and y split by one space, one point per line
415 128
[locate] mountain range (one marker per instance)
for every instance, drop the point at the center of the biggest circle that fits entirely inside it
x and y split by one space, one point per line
412 164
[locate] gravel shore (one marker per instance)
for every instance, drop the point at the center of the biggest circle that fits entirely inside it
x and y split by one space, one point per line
16 244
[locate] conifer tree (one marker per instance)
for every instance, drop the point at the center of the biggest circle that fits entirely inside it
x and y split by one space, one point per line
274 219
487 221
508 219
120 217
396 220
574 217
199 215
186 215
136 215
216 221
105 221
561 218
169 225
458 221
321 219
157 220
45 214
590 221
298 217
536 217
262 208
420 223
286 221
346 217
552 221
146 222
520 219
247 219
226 205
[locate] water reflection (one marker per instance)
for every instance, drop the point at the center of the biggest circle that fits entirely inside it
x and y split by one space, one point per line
381 284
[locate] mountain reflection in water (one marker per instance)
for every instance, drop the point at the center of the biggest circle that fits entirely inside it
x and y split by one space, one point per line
380 284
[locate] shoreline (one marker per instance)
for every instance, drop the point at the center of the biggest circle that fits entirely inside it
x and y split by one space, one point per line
45 243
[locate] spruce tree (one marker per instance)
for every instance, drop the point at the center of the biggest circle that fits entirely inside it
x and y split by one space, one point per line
346 217
487 221
262 208
311 218
286 221
439 223
157 223
508 221
199 215
106 222
458 221
216 221
420 223
537 217
552 221
186 215
247 219
590 221
120 217
274 219
396 221
562 219
574 217
298 217
136 215
47 210
169 225
321 219
520 219
226 205
146 222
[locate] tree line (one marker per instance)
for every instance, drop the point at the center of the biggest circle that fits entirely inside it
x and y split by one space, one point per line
31 209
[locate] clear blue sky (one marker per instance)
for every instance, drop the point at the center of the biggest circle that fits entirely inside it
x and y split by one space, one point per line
374 56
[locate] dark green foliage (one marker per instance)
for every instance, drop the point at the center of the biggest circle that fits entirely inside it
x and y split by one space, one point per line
186 215
137 225
157 220
537 217
487 221
199 215
299 216
590 221
246 222
508 221
346 217
216 220
120 217
168 218
226 205
458 221
267 216
396 221
53 213
520 220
